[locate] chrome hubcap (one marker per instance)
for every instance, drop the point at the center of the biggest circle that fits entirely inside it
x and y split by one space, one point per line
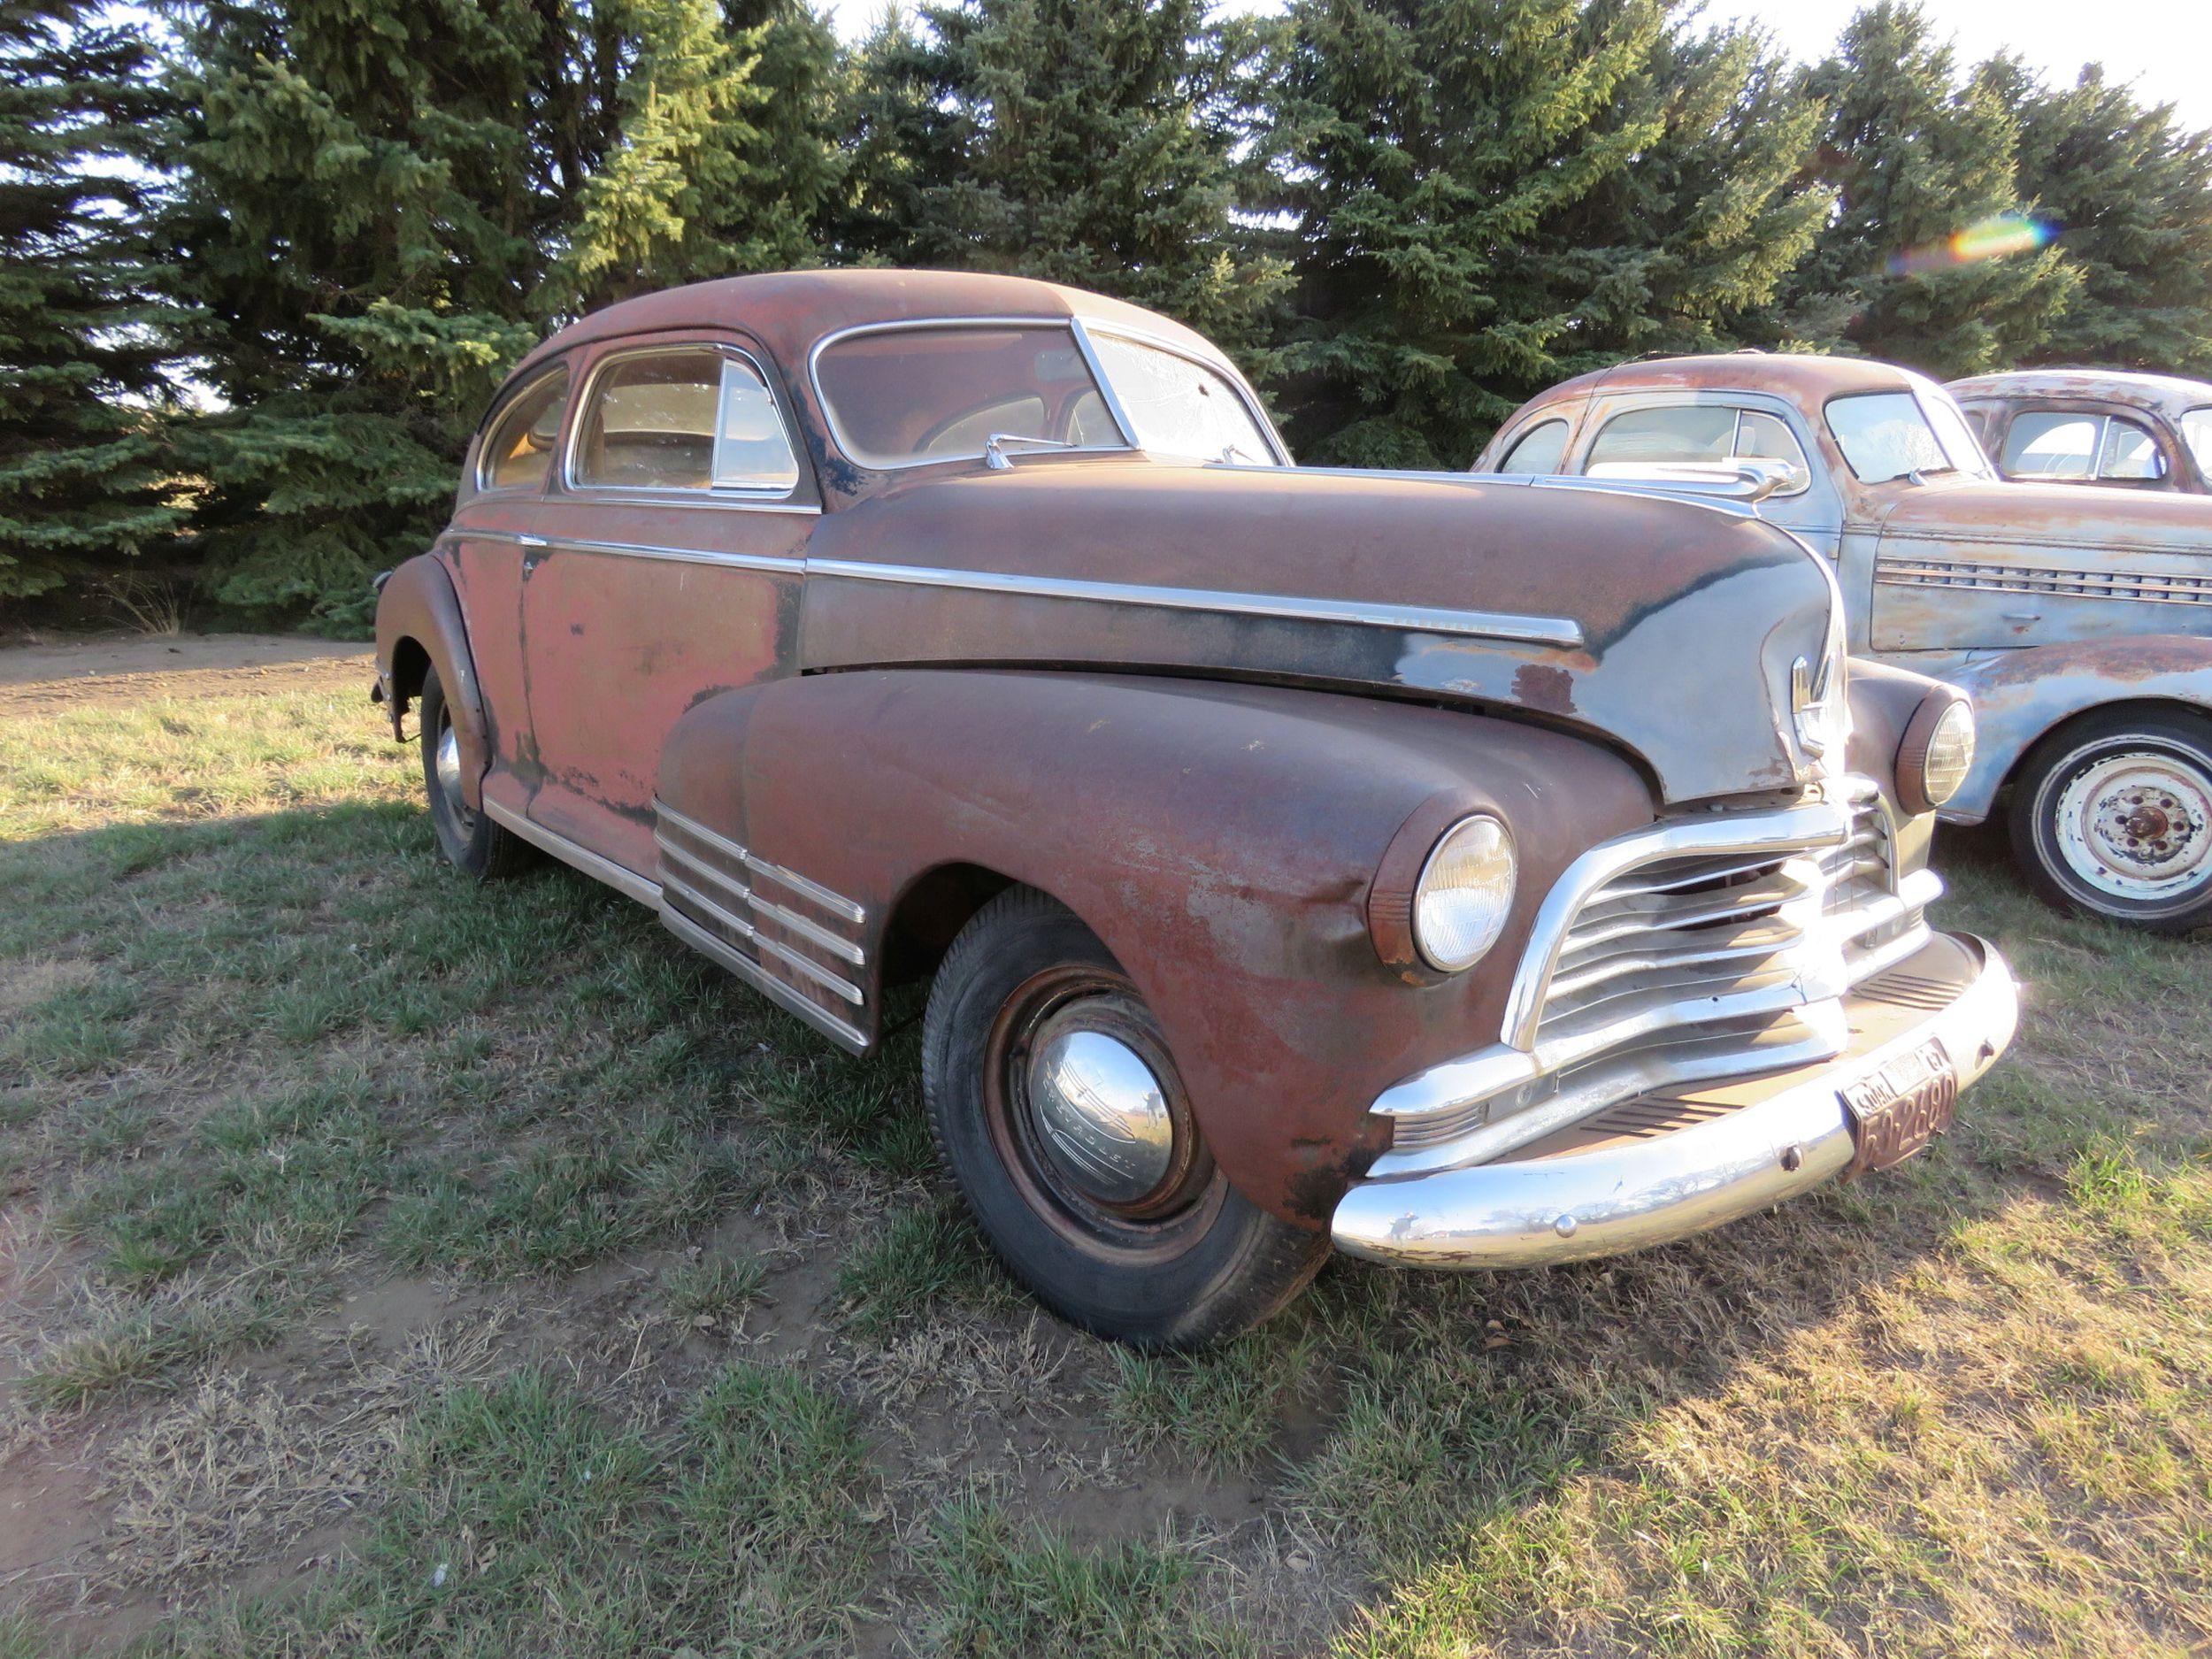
1102 1116
448 770
2137 825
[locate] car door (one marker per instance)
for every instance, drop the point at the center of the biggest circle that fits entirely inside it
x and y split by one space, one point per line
494 527
1629 433
674 539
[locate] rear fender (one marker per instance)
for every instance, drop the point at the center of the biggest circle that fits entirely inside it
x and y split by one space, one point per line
418 624
1224 842
2020 695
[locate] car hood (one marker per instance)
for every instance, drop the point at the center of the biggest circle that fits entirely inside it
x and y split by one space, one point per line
2090 516
1667 627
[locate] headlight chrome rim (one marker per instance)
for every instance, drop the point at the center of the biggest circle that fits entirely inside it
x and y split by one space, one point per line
1472 937
1937 752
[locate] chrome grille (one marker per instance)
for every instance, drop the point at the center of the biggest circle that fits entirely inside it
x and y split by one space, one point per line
1702 948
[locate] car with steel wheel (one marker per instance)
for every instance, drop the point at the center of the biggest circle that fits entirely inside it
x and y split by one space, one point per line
1455 874
2077 615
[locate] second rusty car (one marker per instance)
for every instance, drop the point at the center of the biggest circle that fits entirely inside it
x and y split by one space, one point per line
1471 875
2078 617
2150 432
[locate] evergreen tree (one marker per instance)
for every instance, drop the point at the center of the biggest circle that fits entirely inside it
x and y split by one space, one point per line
382 204
1916 158
81 484
1490 194
1076 141
725 159
2130 195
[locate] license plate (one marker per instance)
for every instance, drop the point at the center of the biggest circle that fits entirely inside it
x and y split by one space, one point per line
1900 1108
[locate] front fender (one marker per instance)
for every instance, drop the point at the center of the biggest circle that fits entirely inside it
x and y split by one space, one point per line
2020 696
1221 840
418 611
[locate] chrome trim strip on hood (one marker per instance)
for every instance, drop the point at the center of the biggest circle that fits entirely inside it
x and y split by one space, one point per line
1564 631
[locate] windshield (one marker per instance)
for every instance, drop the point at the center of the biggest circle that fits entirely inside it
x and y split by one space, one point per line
1178 406
901 396
2196 430
1889 435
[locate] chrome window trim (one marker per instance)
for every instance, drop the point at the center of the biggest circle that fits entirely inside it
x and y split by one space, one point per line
793 564
498 412
914 324
1525 630
1085 326
716 494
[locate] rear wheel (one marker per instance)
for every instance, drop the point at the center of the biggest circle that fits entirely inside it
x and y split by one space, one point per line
2113 816
468 838
1060 1112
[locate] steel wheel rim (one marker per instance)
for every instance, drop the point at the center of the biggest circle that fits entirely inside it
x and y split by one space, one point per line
446 767
2137 826
1181 1188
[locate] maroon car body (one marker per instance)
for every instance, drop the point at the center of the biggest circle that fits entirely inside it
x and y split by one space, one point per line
871 626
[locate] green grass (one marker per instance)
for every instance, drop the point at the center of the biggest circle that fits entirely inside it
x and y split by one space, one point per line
525 1521
716 1289
922 1260
261 1054
1003 1587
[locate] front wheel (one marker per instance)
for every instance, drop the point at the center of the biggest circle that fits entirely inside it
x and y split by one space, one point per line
2113 816
468 838
1058 1109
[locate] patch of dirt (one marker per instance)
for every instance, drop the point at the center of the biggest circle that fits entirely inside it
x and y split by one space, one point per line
32 980
130 668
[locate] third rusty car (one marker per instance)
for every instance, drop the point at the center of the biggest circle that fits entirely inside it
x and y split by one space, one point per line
1472 875
2078 617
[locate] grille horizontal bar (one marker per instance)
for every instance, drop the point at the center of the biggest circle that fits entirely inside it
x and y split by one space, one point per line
1702 949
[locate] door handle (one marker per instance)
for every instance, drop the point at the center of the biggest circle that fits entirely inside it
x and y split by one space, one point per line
533 540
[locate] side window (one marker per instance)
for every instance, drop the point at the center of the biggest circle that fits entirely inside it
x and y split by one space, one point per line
1643 438
517 449
2050 443
1673 433
1538 449
2130 453
687 418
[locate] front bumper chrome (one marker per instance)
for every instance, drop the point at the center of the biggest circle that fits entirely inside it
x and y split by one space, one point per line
1665 1166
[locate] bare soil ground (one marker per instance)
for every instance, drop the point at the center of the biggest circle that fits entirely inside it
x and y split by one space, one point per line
133 667
390 1265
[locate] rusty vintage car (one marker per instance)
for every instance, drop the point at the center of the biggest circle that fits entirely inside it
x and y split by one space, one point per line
1471 875
2093 426
2078 618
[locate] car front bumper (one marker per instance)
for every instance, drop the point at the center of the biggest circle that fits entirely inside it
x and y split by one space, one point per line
1744 1145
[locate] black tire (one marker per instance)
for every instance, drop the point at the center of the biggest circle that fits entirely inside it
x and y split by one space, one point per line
469 841
2109 818
1190 1263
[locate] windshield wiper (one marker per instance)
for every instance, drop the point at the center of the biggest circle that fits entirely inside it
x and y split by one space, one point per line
1232 450
994 454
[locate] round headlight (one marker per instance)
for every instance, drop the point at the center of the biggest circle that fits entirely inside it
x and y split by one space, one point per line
1937 753
1466 887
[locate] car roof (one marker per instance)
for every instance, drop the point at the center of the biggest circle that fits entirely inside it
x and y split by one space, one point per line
1807 378
787 311
2168 394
